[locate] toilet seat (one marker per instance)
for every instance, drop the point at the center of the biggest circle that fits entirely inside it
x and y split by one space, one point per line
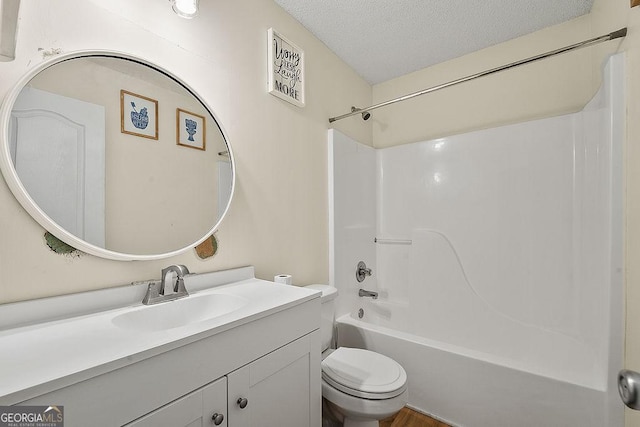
364 373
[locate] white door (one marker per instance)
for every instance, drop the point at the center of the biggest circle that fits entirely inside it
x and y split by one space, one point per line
58 150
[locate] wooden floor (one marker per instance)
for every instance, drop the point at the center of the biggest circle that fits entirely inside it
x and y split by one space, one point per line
409 418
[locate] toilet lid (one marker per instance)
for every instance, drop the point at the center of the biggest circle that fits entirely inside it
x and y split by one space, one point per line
364 373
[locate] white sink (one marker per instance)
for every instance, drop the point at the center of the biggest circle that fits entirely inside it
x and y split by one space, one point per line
91 333
181 312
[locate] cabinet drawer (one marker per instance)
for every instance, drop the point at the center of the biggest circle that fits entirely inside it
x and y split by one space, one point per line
193 410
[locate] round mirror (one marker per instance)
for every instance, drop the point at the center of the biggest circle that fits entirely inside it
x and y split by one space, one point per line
115 156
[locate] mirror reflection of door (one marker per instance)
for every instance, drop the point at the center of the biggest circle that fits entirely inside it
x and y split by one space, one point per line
65 176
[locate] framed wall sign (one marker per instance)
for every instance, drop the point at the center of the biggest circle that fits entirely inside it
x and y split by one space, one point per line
138 115
190 129
286 69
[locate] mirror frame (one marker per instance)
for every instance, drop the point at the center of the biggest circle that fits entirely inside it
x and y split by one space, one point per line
15 185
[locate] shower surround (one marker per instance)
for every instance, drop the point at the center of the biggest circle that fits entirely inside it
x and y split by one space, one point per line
498 265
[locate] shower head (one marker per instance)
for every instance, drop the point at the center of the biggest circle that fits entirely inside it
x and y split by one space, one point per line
365 114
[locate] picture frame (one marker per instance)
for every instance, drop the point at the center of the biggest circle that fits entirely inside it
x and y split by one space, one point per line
191 129
286 76
635 3
138 115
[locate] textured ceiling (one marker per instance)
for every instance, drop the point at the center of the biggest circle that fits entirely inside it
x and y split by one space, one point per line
383 39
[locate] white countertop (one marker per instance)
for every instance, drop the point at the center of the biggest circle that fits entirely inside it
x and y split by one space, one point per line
48 355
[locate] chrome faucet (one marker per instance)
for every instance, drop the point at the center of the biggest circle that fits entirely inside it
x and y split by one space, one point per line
365 293
157 290
180 271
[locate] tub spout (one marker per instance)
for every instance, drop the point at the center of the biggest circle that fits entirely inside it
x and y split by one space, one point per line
365 293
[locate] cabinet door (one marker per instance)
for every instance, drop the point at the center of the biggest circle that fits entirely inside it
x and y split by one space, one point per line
282 389
196 409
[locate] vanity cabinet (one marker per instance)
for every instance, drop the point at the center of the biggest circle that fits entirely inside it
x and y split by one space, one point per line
273 391
204 407
272 362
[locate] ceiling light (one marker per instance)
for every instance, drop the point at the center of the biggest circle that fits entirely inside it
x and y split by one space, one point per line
185 8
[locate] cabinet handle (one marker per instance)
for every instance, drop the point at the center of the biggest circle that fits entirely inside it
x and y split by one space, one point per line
217 418
242 402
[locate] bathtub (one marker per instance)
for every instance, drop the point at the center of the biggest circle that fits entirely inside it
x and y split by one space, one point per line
497 257
472 388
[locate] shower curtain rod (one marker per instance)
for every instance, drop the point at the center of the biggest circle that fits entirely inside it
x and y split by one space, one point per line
611 36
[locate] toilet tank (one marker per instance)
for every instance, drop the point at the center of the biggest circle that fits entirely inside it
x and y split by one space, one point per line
327 313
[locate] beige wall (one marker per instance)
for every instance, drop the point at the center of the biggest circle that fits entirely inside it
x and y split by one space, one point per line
557 85
278 219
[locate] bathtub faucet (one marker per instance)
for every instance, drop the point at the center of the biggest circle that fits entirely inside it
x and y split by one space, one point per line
365 293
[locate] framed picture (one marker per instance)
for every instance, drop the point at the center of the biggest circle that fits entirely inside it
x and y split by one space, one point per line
286 69
190 129
635 3
138 115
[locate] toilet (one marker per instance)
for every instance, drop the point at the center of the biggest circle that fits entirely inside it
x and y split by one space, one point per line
359 387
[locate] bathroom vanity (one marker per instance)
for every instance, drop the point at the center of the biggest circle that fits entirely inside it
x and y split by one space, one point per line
238 351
